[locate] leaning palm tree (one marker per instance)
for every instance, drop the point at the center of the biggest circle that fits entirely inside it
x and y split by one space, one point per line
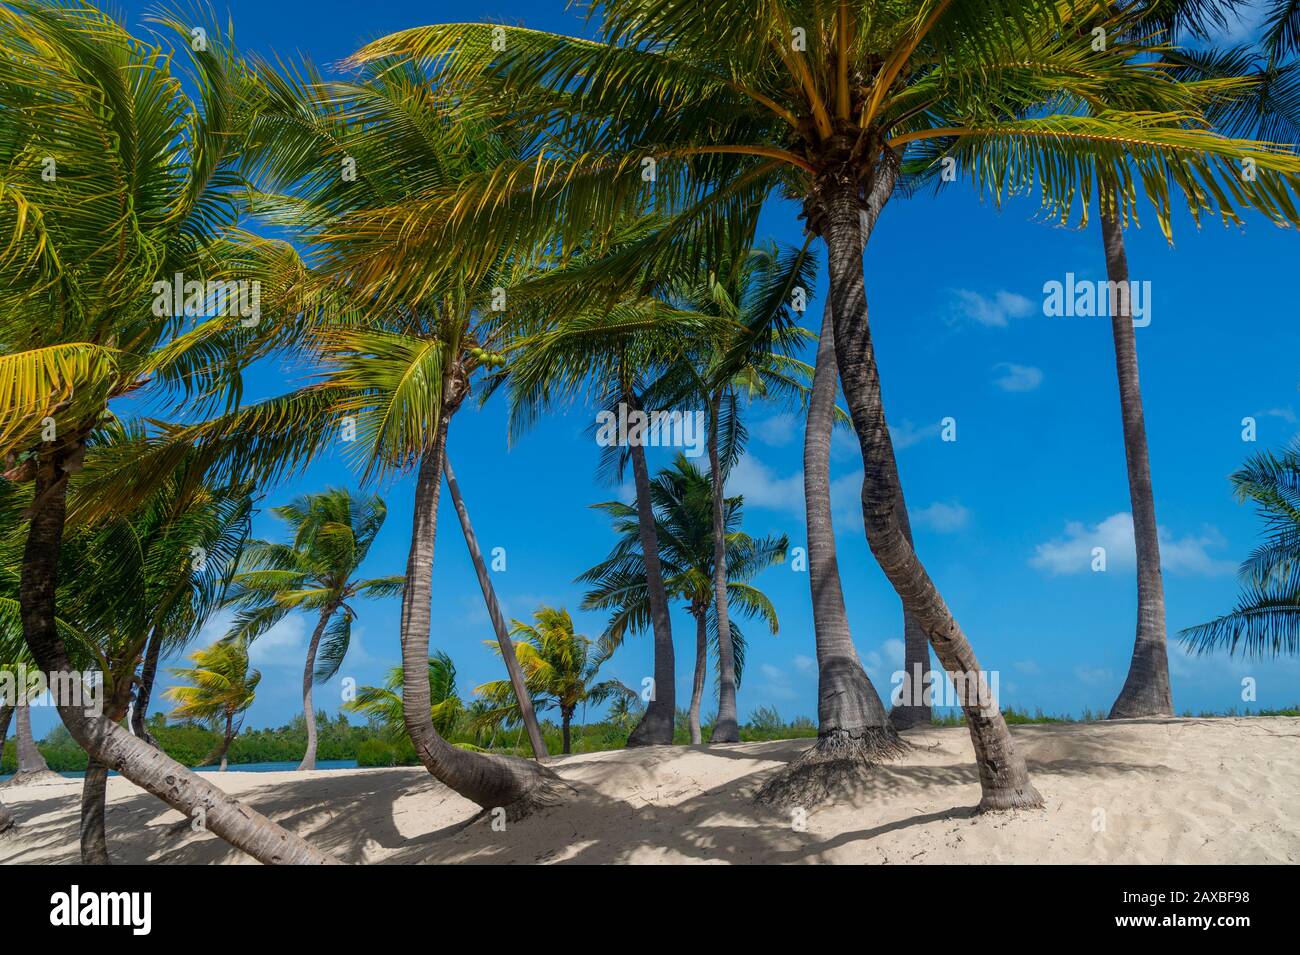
747 357
1266 621
221 686
384 703
332 535
113 189
683 500
561 668
708 110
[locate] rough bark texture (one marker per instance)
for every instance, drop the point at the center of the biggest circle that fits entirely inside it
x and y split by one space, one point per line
701 668
229 735
6 716
94 791
1146 690
516 785
535 739
1004 780
308 680
726 729
31 764
109 744
914 710
148 673
656 726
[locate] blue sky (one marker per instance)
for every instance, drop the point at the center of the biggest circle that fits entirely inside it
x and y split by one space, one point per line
1005 516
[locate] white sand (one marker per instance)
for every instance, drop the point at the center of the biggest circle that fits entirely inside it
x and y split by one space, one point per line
1141 791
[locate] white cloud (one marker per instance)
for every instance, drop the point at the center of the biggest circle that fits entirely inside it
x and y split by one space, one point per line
803 664
884 662
762 487
1072 553
993 311
778 430
1093 675
1286 414
1013 377
941 517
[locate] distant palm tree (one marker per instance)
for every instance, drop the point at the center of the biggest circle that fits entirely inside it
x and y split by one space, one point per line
220 687
560 668
683 499
1266 620
332 536
384 703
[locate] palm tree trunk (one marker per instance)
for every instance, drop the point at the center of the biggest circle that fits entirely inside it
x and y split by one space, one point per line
30 760
229 735
657 723
498 619
566 719
725 729
701 667
1146 690
1004 781
853 731
94 798
105 741
914 710
517 785
308 679
148 673
6 716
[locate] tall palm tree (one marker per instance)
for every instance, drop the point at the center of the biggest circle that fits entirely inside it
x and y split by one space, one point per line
1266 621
221 687
561 668
113 188
384 703
332 535
683 499
747 357
709 111
398 369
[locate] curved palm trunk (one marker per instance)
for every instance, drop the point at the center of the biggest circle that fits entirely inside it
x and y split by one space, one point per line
657 723
308 679
726 729
224 752
1004 781
517 683
517 785
105 741
1146 690
853 731
914 709
148 673
701 667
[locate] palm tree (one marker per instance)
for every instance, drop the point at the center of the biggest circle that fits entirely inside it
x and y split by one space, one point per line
683 500
815 100
1266 620
748 357
384 703
222 686
332 535
117 188
561 668
397 369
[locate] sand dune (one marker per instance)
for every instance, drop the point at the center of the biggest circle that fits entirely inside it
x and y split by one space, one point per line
1141 791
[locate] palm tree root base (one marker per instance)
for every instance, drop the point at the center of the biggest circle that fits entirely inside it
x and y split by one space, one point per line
1009 800
37 777
547 792
836 766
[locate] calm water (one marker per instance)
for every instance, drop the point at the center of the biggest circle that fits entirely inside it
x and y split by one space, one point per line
280 767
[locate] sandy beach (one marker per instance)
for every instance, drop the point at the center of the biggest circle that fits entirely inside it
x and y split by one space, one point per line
1141 791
